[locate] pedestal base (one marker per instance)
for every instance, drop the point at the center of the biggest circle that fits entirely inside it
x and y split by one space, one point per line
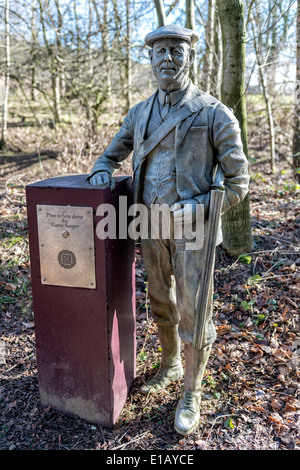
85 336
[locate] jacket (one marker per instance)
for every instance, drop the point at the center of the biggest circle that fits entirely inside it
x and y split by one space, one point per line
209 136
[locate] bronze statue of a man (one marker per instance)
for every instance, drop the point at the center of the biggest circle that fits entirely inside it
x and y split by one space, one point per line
178 137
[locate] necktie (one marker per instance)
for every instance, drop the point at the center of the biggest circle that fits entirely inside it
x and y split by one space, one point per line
166 107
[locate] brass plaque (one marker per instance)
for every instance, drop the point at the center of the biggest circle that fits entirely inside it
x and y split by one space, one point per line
66 246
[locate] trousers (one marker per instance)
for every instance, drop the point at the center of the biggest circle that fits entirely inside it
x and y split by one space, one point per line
173 275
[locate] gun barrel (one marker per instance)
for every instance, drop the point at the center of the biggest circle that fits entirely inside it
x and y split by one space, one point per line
215 208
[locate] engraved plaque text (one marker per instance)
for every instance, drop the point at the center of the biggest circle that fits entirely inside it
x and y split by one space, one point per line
66 246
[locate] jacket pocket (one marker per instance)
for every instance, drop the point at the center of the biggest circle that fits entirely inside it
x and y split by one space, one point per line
194 162
194 147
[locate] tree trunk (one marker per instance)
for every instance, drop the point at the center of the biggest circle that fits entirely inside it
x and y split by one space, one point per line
296 143
271 70
103 28
117 48
217 59
190 23
209 52
7 77
105 47
161 16
90 59
76 27
53 62
58 67
236 223
267 101
34 51
56 91
128 59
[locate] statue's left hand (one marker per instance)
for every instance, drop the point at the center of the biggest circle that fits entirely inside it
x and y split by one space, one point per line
184 211
103 179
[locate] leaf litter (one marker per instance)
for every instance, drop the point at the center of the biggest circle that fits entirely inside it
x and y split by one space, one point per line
250 397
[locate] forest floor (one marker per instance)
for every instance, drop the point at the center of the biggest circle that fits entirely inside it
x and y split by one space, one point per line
250 398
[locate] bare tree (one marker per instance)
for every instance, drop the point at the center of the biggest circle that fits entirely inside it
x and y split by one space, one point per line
34 49
128 59
190 23
296 142
53 51
236 223
105 46
267 99
208 62
216 74
161 16
7 76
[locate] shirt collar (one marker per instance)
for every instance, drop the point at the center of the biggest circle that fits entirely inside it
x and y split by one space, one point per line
175 96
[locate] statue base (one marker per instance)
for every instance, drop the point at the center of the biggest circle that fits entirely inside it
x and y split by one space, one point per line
83 299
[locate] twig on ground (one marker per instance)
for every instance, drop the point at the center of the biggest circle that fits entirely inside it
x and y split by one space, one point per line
138 438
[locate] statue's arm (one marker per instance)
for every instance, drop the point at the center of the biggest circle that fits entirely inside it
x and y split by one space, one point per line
228 148
230 156
119 149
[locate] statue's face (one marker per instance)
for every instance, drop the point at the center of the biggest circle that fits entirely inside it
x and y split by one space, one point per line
171 60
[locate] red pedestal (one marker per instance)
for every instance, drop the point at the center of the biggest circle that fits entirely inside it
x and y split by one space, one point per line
85 337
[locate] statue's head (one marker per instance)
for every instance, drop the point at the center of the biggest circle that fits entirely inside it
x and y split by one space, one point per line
171 55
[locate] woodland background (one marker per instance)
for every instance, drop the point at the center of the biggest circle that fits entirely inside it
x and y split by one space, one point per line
70 70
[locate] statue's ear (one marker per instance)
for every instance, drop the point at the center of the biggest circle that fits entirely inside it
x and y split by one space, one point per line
150 54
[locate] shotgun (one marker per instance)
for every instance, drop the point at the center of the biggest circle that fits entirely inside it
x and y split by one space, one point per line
209 250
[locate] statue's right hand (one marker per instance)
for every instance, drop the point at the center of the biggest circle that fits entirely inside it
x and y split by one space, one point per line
103 180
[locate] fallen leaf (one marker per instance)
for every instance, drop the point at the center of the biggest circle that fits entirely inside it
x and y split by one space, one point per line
276 405
283 372
201 444
289 407
280 356
222 329
28 325
10 287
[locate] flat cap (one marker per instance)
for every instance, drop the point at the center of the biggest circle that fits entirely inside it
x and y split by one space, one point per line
172 31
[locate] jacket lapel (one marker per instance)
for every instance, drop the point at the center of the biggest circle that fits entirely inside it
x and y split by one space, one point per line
144 117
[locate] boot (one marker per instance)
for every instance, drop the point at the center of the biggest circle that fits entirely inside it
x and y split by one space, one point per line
188 409
170 368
